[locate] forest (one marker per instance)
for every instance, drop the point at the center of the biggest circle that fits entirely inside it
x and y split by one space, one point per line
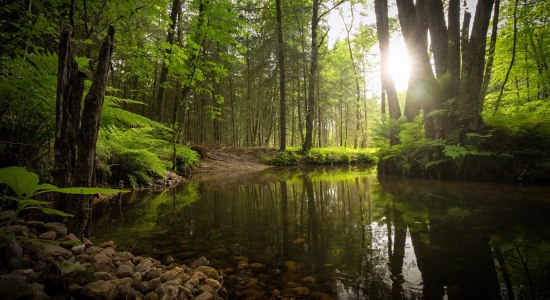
126 95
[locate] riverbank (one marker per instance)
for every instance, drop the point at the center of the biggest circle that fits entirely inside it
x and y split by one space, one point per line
44 262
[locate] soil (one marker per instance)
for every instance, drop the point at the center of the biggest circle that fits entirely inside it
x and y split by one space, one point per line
232 159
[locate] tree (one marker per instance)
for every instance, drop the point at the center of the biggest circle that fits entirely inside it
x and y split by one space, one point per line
282 83
310 108
76 130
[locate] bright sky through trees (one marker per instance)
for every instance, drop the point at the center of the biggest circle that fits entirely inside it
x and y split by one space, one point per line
399 63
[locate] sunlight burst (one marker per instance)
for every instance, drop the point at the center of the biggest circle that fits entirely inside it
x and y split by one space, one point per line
399 65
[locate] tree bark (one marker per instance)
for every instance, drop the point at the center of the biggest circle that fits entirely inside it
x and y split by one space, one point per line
161 96
70 89
310 111
89 130
490 55
472 73
281 61
388 85
422 85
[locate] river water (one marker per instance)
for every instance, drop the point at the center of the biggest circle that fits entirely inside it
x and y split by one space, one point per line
343 233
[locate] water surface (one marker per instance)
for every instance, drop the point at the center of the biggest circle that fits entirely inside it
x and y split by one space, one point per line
345 234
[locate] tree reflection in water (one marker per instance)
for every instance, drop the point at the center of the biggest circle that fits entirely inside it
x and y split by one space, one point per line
346 234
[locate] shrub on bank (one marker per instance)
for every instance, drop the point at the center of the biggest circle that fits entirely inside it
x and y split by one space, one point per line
322 156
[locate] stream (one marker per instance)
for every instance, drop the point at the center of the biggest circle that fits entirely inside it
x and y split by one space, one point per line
342 233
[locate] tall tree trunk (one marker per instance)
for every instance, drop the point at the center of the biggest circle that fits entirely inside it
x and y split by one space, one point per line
281 61
310 111
388 85
89 130
161 96
490 55
358 125
438 35
422 84
472 72
70 89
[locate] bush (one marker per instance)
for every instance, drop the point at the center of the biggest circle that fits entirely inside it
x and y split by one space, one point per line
322 156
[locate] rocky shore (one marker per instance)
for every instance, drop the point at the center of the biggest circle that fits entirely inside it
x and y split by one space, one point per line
42 261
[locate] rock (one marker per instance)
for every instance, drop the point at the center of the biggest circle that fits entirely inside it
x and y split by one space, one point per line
73 238
206 288
276 293
153 284
241 258
168 260
48 235
100 289
102 263
228 270
292 284
128 293
55 251
40 266
167 291
124 282
19 230
83 257
104 276
78 249
87 242
107 244
37 225
209 272
6 215
74 288
124 255
198 276
92 250
12 288
154 273
243 264
297 291
205 296
257 267
110 252
216 285
184 276
144 266
124 271
309 279
201 261
170 275
59 228
14 252
151 296
291 266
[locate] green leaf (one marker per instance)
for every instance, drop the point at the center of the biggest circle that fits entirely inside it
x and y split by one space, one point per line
51 211
21 181
29 202
88 191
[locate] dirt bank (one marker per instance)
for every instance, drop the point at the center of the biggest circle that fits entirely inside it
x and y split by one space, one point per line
232 159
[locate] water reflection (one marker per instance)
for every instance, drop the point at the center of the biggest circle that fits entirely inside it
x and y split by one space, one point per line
344 234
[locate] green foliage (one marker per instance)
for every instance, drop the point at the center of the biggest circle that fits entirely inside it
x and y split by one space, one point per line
24 186
417 154
27 114
138 156
322 156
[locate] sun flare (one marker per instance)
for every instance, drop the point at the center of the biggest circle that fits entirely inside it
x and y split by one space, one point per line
399 65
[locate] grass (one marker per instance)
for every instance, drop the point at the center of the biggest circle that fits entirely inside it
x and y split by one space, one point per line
322 156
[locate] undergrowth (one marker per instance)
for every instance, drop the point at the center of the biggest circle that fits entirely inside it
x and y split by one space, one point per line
322 156
131 148
512 146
